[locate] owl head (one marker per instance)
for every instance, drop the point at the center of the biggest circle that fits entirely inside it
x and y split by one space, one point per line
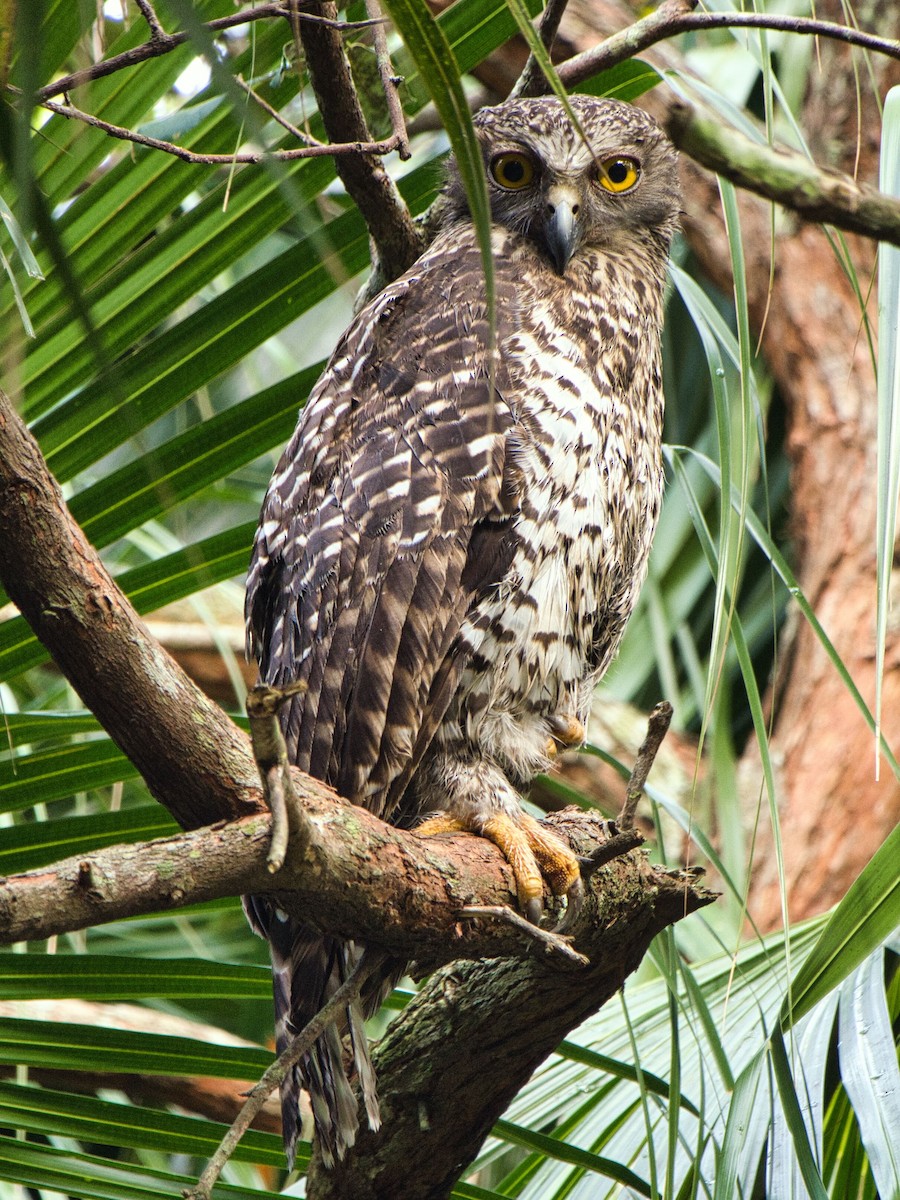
572 189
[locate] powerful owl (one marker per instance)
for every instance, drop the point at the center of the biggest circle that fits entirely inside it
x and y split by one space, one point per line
455 537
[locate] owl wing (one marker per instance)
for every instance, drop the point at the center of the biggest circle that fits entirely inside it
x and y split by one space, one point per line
389 514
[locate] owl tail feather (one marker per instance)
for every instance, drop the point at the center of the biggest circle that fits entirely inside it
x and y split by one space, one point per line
363 1063
325 1072
307 970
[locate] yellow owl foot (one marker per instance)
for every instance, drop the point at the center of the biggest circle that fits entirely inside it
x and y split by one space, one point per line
565 731
535 856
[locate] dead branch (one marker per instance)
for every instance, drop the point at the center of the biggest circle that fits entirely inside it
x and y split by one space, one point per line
673 17
275 1074
657 728
162 43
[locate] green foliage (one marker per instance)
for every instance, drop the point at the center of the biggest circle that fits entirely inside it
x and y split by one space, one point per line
204 293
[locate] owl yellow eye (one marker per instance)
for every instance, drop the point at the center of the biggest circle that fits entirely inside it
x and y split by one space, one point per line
618 174
512 171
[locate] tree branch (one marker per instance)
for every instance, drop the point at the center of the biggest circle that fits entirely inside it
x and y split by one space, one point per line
276 1073
673 17
356 877
815 195
508 1015
194 759
390 81
781 175
162 43
316 150
398 241
531 82
153 21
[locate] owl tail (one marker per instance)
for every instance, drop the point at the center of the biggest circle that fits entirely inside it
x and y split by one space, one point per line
325 1072
307 969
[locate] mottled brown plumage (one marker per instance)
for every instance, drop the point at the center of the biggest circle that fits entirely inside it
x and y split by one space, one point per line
451 546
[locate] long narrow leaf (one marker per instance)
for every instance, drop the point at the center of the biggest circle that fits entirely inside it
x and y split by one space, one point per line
868 1058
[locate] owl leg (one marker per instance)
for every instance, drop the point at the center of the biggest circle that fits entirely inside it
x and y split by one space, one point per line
535 856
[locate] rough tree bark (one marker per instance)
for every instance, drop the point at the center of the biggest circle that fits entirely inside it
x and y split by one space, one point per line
471 1039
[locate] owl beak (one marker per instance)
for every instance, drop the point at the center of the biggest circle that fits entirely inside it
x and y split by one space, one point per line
562 227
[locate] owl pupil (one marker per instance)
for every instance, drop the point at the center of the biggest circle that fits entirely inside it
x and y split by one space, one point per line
514 171
618 172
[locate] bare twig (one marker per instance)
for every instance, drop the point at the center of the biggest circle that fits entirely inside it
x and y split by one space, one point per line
620 842
164 43
657 727
547 938
299 134
318 150
288 819
815 195
670 19
532 77
274 1075
153 21
389 80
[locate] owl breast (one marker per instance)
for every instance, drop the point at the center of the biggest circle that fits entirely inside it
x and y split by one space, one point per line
585 440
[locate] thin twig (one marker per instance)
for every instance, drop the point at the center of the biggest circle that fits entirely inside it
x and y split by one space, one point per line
270 752
670 19
397 239
319 150
620 842
657 727
546 937
153 21
299 134
390 82
274 1075
528 82
164 43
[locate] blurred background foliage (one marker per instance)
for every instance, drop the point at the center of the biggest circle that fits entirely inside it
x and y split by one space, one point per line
162 324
